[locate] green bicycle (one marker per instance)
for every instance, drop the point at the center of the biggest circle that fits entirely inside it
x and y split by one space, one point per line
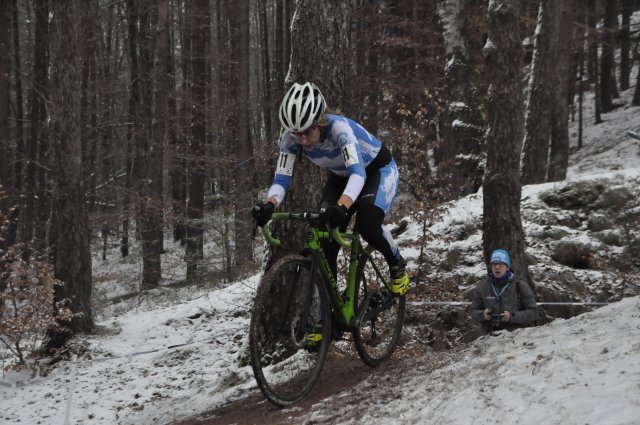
299 307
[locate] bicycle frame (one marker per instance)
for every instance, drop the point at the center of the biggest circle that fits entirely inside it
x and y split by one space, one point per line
343 309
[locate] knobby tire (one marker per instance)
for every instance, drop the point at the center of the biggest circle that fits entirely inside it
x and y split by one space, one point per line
284 365
377 337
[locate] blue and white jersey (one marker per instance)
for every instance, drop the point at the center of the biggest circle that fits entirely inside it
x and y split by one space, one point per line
345 149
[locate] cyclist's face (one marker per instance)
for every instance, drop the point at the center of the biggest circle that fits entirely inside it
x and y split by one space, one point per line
308 139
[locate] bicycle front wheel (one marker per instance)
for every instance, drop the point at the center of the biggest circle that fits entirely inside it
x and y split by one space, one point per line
380 313
290 330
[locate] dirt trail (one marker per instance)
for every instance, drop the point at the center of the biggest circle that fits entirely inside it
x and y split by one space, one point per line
345 382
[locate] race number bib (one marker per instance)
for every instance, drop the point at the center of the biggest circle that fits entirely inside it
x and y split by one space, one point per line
350 155
285 163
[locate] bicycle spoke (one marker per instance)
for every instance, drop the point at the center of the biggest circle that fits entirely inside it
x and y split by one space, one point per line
377 334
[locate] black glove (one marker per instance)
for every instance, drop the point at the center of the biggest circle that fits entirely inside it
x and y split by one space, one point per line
334 215
262 213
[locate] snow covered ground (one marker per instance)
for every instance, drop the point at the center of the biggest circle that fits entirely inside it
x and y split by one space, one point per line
584 370
155 362
577 371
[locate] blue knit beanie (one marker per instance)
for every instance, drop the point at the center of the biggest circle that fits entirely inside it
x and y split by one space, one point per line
500 256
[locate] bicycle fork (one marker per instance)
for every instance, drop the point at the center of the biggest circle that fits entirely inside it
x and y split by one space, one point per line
301 326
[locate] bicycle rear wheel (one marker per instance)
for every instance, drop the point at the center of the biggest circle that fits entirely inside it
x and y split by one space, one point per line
381 313
285 357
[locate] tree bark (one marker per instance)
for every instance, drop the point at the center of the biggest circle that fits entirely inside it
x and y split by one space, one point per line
636 92
197 171
625 44
72 253
133 129
149 208
6 182
541 94
279 62
607 78
462 126
19 114
88 142
594 74
178 145
243 182
559 154
593 36
502 225
37 101
266 71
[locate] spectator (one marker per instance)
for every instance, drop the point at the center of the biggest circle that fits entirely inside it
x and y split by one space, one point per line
500 301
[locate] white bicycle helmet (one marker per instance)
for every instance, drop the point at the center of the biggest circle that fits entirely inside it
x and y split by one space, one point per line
302 107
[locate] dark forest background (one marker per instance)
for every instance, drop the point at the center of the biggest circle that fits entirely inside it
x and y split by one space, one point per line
149 120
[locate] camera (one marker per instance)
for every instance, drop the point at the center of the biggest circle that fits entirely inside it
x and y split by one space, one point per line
495 317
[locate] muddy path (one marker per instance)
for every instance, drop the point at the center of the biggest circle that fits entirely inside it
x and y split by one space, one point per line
345 388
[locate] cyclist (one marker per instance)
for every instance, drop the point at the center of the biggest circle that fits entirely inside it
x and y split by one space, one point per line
362 174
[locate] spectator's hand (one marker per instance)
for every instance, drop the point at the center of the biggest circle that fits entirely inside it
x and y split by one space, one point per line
487 314
262 213
505 316
334 215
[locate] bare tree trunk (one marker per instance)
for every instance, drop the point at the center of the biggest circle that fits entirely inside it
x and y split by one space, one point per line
265 75
87 140
636 92
224 146
581 59
151 214
6 182
280 61
288 33
593 39
625 44
147 156
19 114
42 210
243 182
72 252
593 60
356 83
559 154
463 143
502 225
197 171
183 122
133 128
607 78
38 98
106 137
541 94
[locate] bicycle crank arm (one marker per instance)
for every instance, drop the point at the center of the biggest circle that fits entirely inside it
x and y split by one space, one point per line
375 311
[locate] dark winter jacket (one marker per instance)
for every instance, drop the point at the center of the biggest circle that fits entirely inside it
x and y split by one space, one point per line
517 298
